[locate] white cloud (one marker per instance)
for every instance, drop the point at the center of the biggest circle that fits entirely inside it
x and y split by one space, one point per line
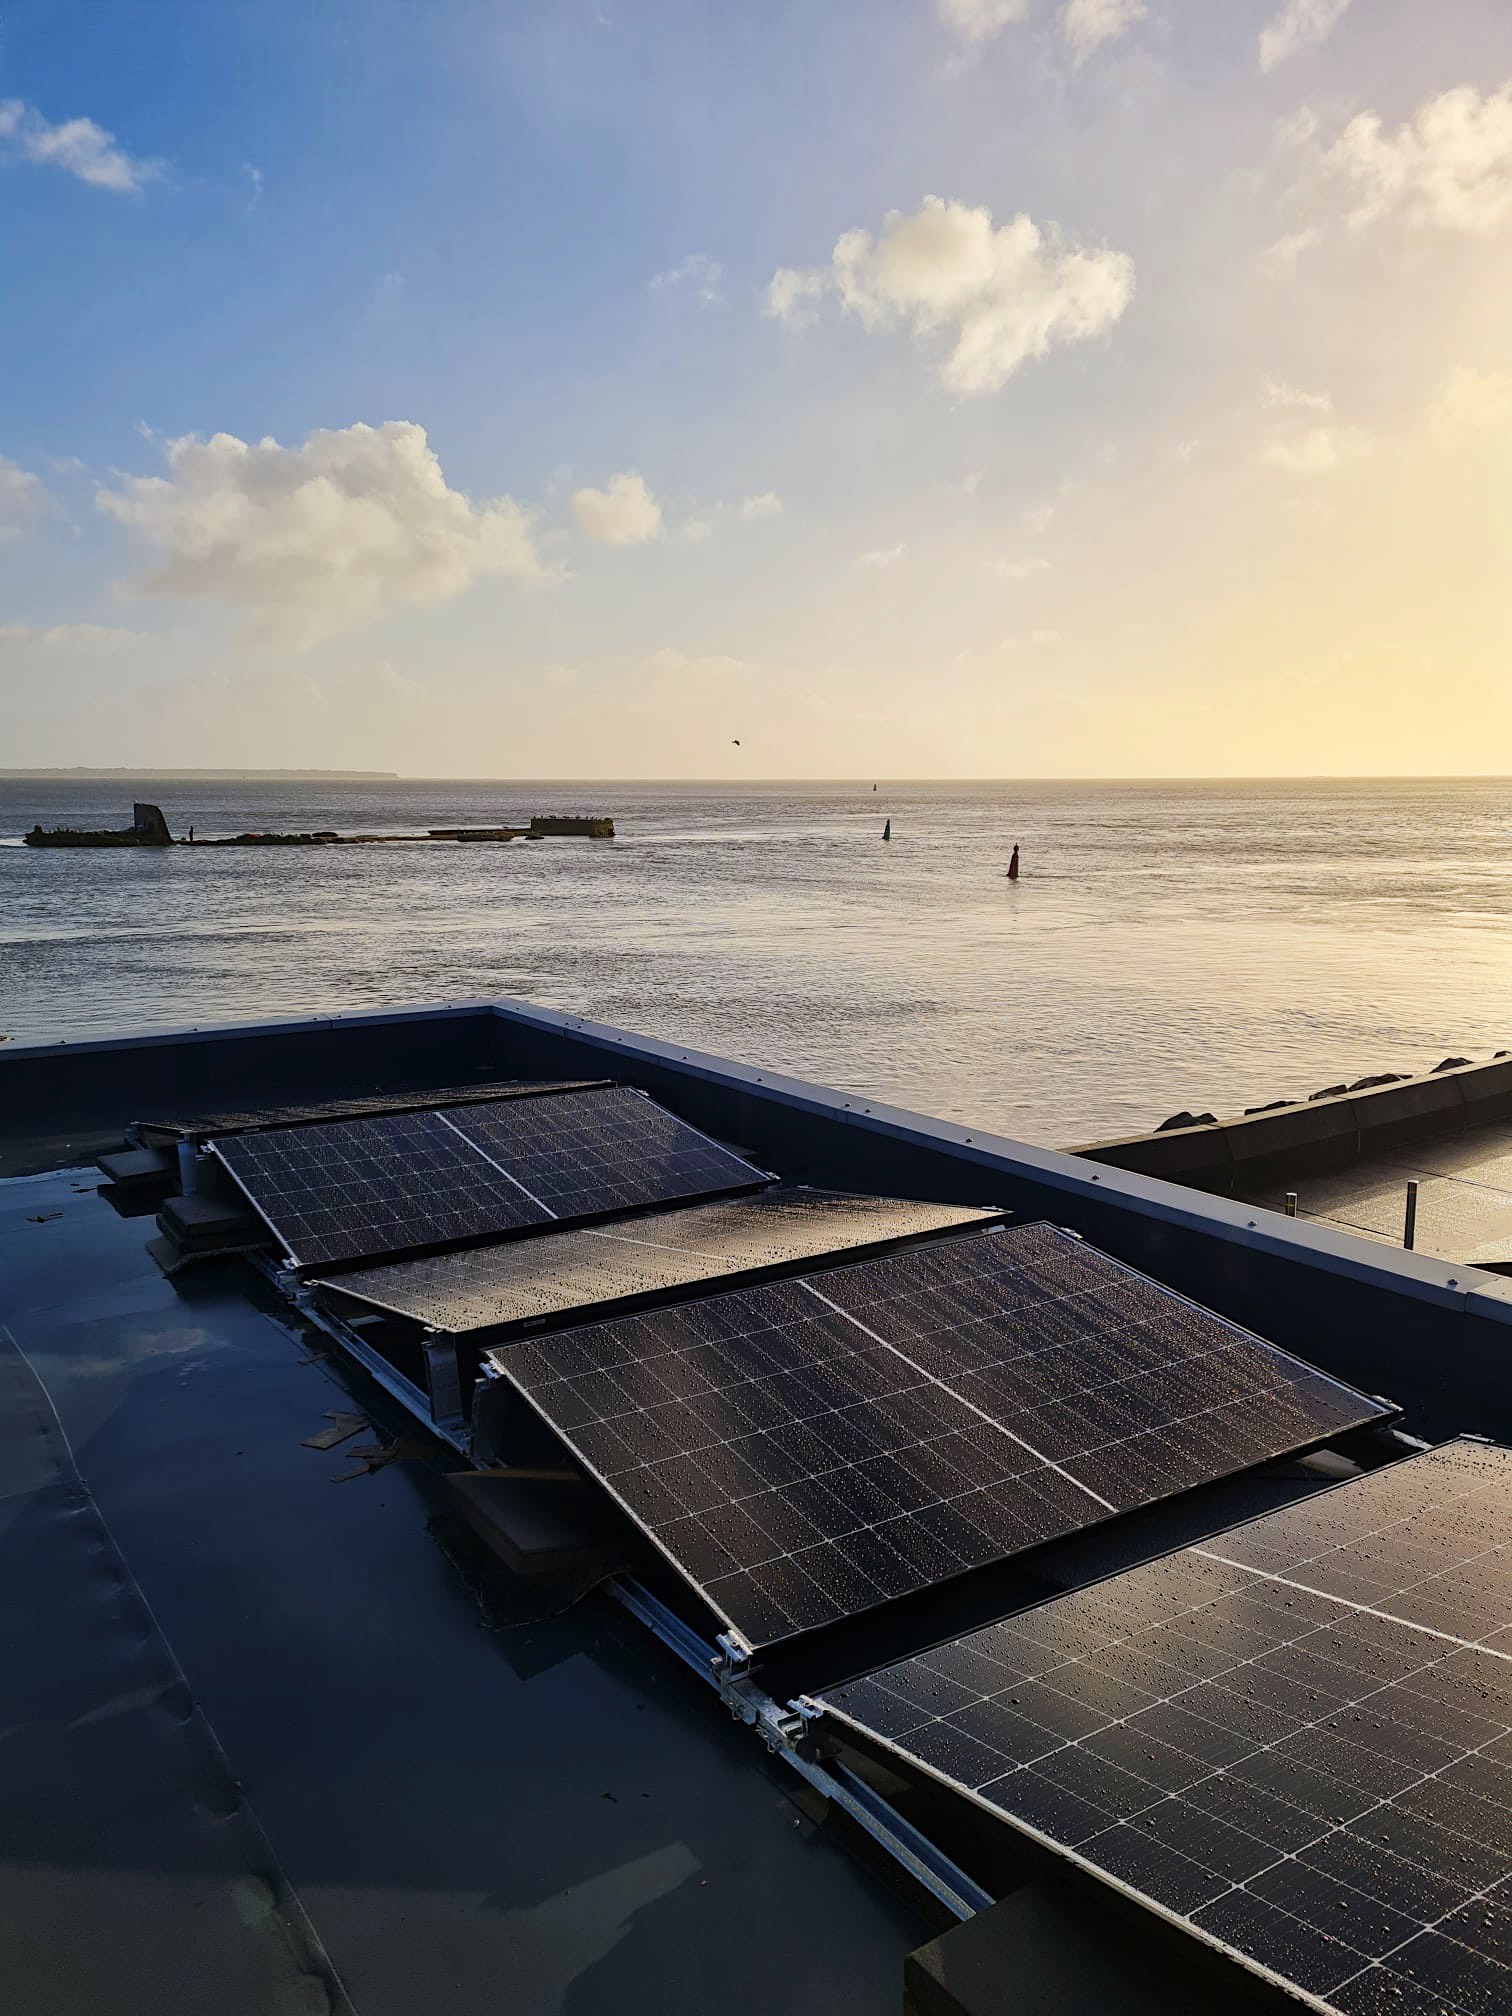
767 505
977 21
1310 451
1291 399
1044 637
696 530
67 637
1002 294
255 181
1284 254
1017 570
1300 24
1450 165
623 513
697 271
793 294
881 556
1087 24
317 538
21 497
77 146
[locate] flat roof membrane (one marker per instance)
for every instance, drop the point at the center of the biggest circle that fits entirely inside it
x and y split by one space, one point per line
1294 1739
808 1449
530 1280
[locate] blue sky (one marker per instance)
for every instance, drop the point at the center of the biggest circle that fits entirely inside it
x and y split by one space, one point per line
545 235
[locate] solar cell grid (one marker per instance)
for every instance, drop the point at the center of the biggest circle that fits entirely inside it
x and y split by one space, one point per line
525 1280
814 1448
352 1188
367 1186
609 1150
1306 1761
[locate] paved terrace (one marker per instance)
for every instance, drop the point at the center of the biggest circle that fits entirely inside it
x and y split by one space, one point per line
1464 1207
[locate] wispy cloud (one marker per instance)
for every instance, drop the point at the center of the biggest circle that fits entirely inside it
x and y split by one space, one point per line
22 496
76 146
977 21
1300 24
1087 24
767 505
698 272
1291 398
881 556
1310 451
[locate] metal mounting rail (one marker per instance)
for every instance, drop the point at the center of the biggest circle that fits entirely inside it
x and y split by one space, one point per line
377 1367
725 1666
782 1729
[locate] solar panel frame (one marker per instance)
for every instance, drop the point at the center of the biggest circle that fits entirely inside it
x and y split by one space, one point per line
565 1275
466 1143
1340 1824
754 1514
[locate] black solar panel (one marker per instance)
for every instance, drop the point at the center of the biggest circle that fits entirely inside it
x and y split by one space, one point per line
1295 1739
610 1150
202 1127
809 1449
357 1187
354 1188
527 1280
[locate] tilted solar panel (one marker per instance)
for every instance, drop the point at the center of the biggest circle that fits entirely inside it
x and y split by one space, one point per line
806 1450
1294 1739
610 1150
355 1188
527 1280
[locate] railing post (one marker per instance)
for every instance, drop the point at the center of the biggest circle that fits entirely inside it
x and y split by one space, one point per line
1409 1229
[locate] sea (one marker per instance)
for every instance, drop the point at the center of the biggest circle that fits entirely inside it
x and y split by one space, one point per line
1204 946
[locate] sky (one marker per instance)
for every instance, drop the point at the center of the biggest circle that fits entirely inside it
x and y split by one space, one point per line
904 388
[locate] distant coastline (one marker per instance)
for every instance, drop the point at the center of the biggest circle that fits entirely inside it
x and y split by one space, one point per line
214 776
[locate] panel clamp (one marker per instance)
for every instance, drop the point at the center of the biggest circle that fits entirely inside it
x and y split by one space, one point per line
778 1727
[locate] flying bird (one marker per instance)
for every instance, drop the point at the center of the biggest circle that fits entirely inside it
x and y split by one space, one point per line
736 740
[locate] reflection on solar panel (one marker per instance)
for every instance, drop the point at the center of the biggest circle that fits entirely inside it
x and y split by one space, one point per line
351 1189
602 1151
1295 1738
809 1449
204 1126
534 1278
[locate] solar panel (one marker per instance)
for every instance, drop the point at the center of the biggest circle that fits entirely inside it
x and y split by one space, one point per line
357 1187
610 1150
203 1126
353 1188
530 1280
806 1450
1294 1739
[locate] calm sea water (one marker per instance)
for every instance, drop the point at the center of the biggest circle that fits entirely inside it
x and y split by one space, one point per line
1202 945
